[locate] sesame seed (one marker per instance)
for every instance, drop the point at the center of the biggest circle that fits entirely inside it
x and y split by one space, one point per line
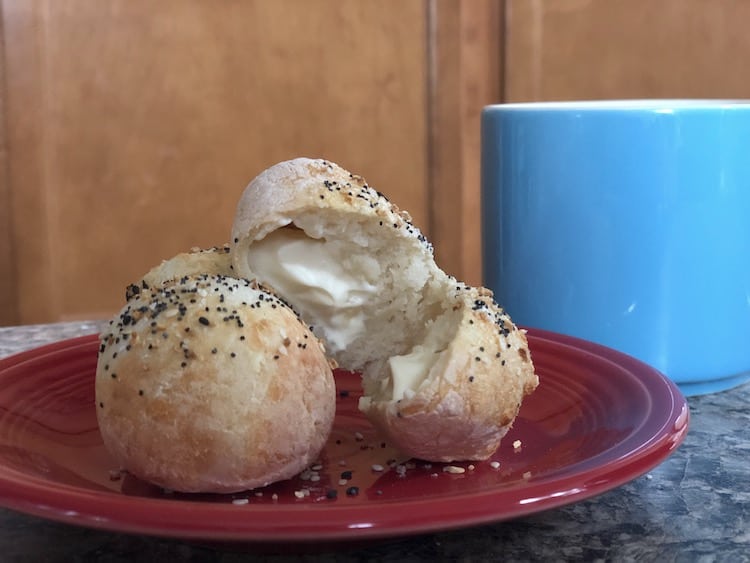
352 491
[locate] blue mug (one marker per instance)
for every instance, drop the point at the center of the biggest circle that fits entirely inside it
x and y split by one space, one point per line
626 223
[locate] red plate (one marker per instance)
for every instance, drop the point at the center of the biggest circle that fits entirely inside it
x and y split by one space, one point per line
598 419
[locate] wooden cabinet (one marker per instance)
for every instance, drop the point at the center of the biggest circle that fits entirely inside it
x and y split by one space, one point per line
129 128
610 49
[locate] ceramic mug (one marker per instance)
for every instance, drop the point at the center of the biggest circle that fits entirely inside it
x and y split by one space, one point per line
626 223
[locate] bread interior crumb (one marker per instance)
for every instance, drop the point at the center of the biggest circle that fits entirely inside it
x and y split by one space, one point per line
374 294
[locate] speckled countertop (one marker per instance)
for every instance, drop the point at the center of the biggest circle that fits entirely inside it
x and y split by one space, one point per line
693 507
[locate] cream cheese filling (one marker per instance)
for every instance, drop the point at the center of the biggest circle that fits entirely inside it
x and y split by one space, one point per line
406 373
331 282
409 371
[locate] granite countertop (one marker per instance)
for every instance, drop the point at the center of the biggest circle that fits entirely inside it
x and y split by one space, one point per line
693 507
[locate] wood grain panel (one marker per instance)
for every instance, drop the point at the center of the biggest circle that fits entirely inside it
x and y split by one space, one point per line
31 270
133 126
8 297
466 74
600 49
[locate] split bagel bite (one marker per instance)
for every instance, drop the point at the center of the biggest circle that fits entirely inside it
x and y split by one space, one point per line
444 368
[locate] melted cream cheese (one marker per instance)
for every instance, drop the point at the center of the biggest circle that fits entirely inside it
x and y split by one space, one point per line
410 370
324 280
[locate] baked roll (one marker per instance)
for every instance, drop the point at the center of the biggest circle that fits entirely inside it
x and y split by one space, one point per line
215 261
209 383
444 368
